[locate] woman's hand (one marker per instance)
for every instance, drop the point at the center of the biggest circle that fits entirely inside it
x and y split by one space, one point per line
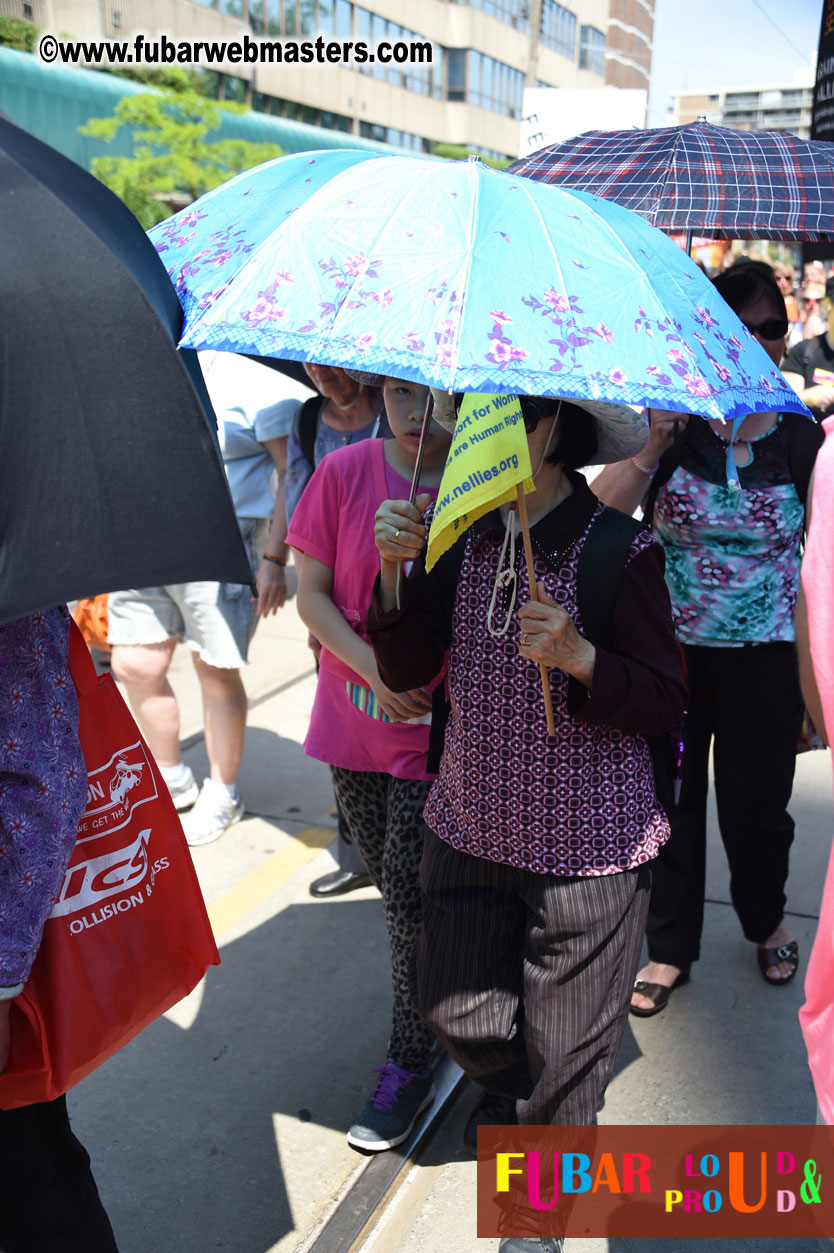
820 396
663 432
549 637
271 582
398 528
401 706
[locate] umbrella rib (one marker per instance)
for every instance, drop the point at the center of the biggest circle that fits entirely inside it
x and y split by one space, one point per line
615 237
473 216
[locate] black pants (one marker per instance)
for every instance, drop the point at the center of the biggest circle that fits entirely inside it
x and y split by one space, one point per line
747 700
49 1202
526 978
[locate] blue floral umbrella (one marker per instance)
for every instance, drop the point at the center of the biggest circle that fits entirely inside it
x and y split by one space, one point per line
454 275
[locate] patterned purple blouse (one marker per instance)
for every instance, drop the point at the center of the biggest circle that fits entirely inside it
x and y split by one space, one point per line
583 802
43 781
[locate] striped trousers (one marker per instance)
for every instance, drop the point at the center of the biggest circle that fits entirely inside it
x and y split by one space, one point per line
526 978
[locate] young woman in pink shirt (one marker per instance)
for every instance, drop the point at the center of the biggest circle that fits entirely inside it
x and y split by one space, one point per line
375 740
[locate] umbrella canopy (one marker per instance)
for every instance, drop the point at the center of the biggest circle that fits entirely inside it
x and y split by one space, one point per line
462 278
110 475
724 183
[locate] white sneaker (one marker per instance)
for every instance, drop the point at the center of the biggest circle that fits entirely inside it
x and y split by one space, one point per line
214 812
186 792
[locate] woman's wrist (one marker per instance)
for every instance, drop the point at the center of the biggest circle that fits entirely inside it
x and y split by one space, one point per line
641 462
273 559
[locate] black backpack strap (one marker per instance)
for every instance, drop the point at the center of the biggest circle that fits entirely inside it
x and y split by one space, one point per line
599 576
306 429
600 571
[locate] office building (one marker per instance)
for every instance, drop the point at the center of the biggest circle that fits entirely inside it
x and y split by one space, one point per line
771 108
484 53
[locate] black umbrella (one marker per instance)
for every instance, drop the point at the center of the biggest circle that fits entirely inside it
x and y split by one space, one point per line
110 472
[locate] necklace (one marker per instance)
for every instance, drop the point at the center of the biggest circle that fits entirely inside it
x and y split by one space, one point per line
751 439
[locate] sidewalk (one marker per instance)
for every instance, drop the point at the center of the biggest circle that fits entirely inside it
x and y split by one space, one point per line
223 1125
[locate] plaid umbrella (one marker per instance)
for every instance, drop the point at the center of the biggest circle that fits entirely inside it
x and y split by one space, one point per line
725 183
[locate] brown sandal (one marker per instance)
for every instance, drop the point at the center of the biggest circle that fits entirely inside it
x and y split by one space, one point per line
657 993
770 957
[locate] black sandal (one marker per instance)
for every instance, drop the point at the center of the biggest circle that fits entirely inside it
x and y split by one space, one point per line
770 957
657 993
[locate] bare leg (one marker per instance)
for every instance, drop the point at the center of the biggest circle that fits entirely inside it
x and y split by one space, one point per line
224 718
143 669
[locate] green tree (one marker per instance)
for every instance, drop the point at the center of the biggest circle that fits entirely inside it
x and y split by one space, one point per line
459 152
171 77
172 163
16 32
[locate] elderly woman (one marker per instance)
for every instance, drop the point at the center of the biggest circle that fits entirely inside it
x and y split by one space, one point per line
535 870
733 571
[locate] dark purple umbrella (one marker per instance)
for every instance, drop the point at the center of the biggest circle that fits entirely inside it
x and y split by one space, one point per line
723 183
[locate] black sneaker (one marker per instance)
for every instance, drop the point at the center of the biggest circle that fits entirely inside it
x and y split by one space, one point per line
523 1244
392 1111
491 1111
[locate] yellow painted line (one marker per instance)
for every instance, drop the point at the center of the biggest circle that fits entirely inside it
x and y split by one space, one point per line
234 905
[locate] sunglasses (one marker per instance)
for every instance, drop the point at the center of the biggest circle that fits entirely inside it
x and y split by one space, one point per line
533 410
773 328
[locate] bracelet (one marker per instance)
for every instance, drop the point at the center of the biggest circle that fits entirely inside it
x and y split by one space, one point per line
645 469
276 561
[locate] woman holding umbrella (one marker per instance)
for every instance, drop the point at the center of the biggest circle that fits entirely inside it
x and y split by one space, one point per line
733 571
536 848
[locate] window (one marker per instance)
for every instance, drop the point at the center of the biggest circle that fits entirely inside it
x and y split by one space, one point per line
592 50
344 19
326 18
558 29
484 82
256 16
456 74
389 135
363 33
299 16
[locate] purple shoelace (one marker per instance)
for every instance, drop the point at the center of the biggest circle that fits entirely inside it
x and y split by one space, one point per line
392 1078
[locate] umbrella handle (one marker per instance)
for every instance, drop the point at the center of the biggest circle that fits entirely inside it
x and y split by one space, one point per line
534 595
415 478
418 465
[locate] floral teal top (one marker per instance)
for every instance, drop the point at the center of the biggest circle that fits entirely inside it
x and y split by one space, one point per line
732 558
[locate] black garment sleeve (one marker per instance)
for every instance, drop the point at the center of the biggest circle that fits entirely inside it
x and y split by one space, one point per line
639 685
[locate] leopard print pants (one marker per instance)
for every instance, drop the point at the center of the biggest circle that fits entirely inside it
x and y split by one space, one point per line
385 817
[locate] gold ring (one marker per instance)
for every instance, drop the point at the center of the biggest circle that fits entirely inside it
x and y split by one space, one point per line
525 639
397 536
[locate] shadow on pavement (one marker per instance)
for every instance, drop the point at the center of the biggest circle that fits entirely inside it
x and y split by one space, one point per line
198 1121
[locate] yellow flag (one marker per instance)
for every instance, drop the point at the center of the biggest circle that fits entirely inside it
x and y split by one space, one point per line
487 460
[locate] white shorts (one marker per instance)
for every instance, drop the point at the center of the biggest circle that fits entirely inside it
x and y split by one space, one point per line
216 620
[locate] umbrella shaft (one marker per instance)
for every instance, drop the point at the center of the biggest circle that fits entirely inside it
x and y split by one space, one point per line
424 431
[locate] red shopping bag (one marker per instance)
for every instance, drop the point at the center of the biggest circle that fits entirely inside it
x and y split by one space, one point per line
128 936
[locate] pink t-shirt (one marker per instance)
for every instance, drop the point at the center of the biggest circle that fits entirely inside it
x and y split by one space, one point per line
334 523
817 1014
